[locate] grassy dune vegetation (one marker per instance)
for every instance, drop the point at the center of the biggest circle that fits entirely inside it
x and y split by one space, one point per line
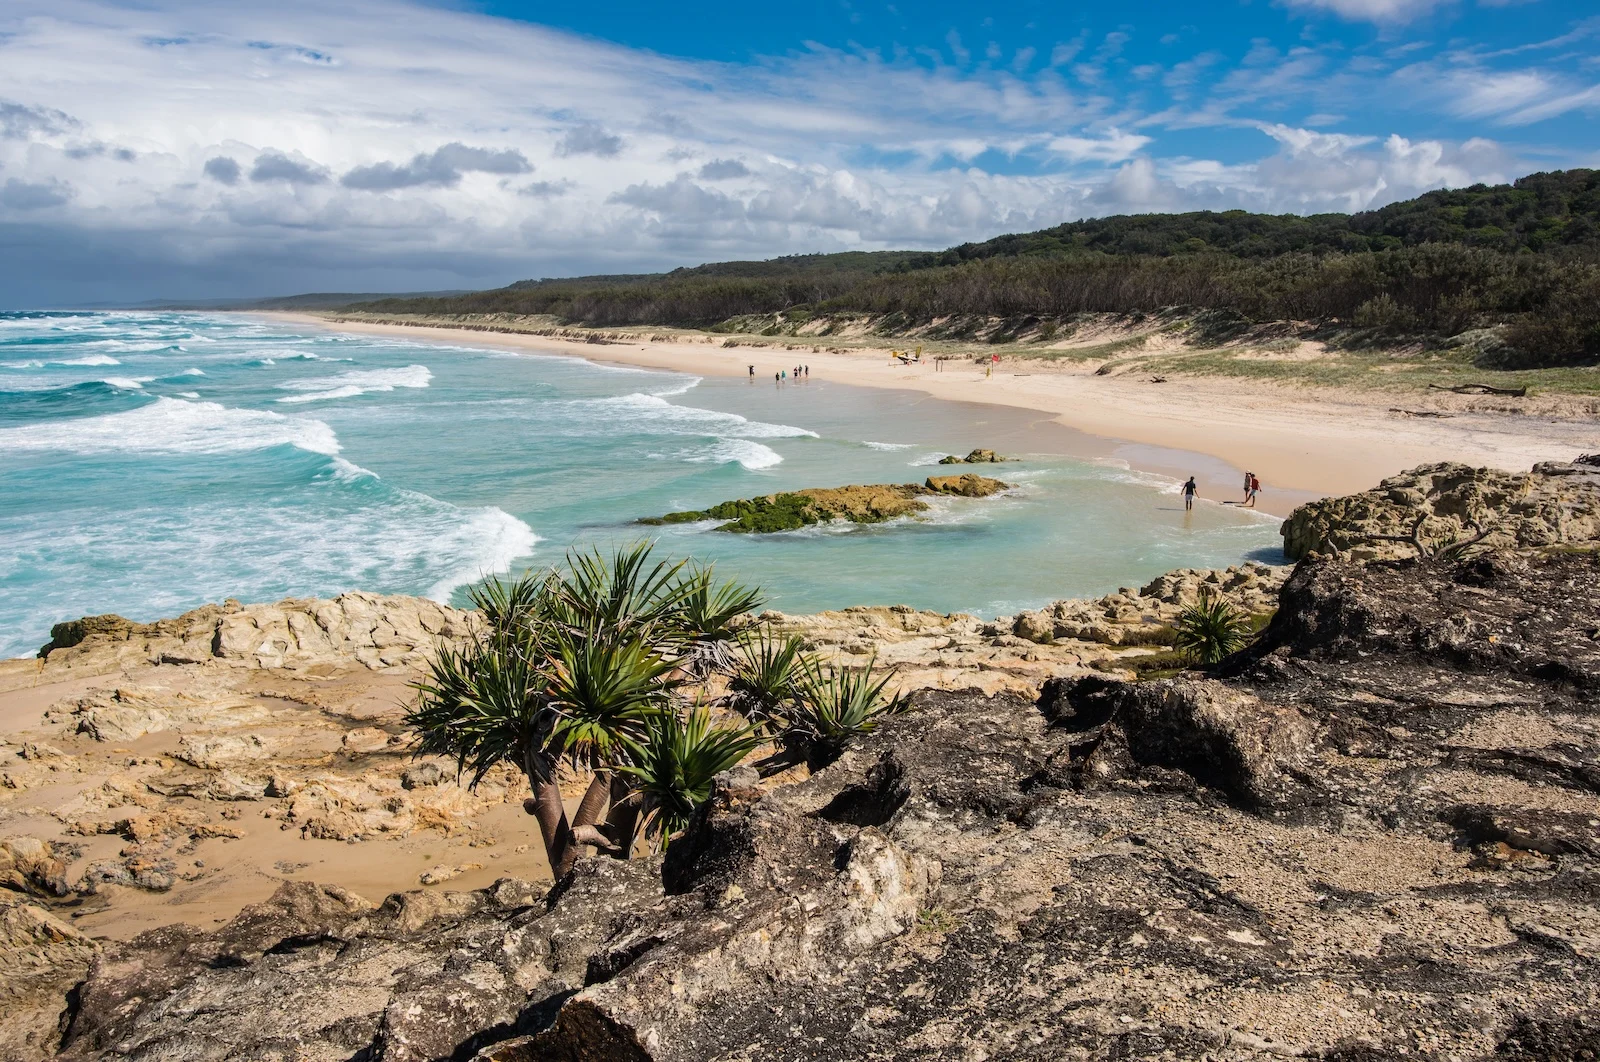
1504 278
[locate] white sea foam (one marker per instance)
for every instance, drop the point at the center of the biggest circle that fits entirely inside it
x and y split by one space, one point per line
256 550
869 444
660 415
192 372
733 435
40 363
485 543
680 389
188 394
172 426
350 472
128 383
747 452
355 382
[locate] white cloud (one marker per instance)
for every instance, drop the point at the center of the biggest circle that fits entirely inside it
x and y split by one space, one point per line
1372 10
1114 146
1467 89
377 144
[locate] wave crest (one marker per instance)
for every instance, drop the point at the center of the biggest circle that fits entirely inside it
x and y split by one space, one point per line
173 426
355 382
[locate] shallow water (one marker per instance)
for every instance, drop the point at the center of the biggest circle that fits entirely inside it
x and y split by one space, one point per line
152 462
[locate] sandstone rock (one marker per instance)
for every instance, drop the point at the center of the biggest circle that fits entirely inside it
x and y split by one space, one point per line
960 885
129 713
442 873
1034 626
1553 504
859 504
421 776
1219 736
41 959
369 739
967 486
976 457
30 865
214 753
374 631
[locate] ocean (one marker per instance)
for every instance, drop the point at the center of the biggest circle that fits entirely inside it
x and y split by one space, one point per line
153 462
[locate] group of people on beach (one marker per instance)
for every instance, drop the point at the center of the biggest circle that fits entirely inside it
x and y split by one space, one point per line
1252 488
799 372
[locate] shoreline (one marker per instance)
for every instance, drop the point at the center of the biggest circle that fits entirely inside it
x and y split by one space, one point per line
1309 443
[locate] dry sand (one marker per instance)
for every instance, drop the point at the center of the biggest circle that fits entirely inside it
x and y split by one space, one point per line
1308 441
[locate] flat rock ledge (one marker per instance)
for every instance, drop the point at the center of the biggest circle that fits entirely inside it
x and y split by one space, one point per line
1374 835
371 630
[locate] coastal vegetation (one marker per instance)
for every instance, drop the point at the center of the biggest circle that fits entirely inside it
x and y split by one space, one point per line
792 510
1511 273
1211 630
605 669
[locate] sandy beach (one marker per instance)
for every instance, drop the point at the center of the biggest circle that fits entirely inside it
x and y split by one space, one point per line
1304 441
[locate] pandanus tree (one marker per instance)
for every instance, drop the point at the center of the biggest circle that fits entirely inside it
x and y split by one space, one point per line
589 668
583 667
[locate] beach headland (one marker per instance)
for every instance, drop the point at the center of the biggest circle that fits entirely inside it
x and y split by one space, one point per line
1151 849
1306 441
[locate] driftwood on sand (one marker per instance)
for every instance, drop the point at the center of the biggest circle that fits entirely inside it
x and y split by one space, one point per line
1482 389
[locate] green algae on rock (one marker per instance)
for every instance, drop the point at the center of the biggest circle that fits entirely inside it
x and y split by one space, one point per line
871 504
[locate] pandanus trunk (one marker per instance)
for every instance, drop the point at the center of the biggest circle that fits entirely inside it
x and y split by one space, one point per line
623 821
551 814
594 800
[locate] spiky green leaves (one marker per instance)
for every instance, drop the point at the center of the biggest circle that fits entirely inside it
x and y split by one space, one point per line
673 766
1210 630
765 676
708 618
834 707
603 690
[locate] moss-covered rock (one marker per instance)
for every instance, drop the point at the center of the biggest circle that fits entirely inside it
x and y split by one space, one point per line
869 504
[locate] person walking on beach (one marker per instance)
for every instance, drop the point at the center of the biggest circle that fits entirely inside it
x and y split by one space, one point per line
1252 488
1248 476
752 370
1190 489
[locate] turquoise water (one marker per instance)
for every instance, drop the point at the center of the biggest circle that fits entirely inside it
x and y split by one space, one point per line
152 462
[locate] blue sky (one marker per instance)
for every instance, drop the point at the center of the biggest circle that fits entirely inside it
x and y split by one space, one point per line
180 148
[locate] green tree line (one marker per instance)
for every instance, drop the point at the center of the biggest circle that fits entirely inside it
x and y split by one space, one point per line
1524 256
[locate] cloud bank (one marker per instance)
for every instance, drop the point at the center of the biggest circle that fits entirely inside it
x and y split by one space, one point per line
181 148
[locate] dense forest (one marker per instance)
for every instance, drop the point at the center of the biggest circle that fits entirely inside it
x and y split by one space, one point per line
1524 256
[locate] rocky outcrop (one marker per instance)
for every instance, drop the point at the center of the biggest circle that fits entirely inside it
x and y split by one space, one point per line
1017 653
872 504
976 457
41 960
300 633
1374 834
1437 506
